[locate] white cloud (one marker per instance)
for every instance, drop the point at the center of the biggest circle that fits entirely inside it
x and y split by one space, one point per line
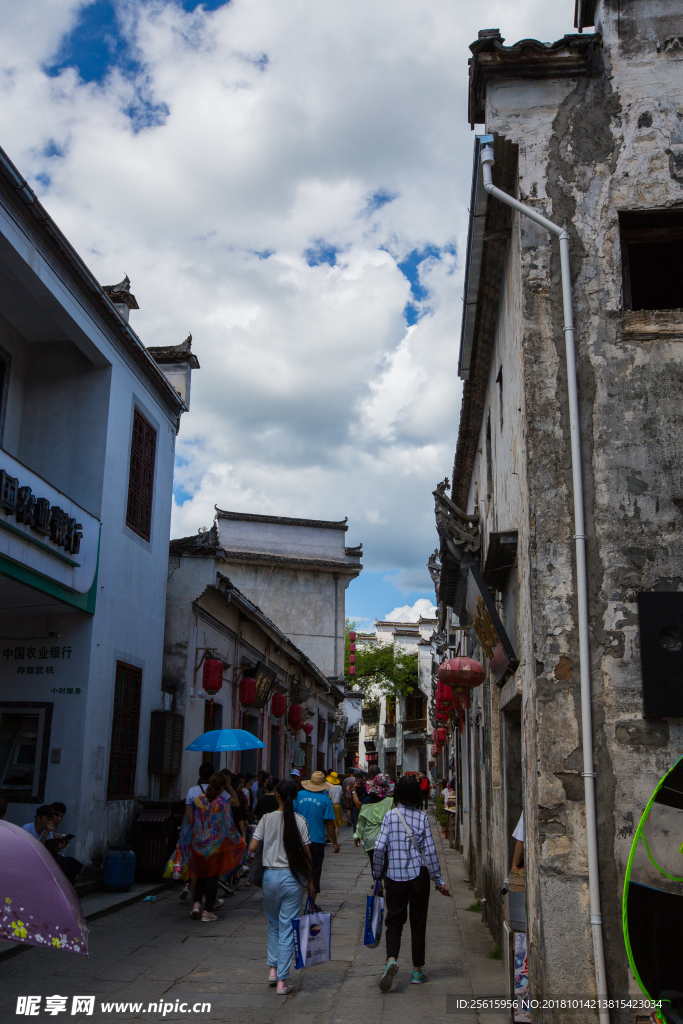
412 612
314 399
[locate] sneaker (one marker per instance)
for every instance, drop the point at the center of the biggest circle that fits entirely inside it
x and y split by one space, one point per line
390 971
196 911
185 893
419 977
208 916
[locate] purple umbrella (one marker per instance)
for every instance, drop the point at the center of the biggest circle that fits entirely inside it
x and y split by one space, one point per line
38 905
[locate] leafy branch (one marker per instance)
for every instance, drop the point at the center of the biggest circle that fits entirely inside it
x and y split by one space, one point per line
380 669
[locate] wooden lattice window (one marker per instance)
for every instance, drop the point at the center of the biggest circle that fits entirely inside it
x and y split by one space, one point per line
124 732
141 476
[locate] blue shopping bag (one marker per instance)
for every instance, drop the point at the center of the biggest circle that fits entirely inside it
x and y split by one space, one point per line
312 936
374 919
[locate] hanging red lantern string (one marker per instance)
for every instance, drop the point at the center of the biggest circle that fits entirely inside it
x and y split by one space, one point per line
308 728
295 716
247 692
278 705
461 672
212 680
444 696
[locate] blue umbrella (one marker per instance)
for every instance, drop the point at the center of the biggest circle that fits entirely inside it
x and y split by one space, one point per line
226 739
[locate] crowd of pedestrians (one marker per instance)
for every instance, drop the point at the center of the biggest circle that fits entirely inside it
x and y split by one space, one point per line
285 826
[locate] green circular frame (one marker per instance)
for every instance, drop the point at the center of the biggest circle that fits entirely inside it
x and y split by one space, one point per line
627 878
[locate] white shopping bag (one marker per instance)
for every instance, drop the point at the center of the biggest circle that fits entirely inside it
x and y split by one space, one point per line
312 937
374 919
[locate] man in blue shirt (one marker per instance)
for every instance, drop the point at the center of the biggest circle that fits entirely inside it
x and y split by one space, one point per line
313 803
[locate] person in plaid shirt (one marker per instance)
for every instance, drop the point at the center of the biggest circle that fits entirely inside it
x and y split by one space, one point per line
406 856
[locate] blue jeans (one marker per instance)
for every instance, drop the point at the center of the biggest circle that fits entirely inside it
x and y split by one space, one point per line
282 896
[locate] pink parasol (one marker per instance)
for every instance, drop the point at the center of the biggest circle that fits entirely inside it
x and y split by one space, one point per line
38 904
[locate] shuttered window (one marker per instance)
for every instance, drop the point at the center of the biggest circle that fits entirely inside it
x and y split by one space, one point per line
124 732
141 476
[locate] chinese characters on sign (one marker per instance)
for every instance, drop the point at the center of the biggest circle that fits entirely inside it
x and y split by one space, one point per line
480 610
47 520
36 654
265 677
66 689
29 1006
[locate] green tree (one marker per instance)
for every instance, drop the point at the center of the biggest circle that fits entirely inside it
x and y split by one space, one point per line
380 669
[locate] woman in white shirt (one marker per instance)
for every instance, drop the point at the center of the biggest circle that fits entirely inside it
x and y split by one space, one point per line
287 874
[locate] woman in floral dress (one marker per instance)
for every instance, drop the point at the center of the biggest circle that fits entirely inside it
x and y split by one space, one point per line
211 844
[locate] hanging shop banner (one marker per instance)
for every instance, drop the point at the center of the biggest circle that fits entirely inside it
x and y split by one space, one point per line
265 678
482 615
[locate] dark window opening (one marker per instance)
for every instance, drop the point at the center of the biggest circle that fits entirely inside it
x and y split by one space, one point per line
141 476
499 382
123 757
652 259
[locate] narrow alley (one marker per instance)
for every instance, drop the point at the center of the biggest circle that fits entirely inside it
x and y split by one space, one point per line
154 953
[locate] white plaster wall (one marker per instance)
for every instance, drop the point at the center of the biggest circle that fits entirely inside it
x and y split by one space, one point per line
281 539
301 603
128 624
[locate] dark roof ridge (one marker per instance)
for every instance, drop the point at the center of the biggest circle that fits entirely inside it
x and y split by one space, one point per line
253 517
269 557
175 353
570 56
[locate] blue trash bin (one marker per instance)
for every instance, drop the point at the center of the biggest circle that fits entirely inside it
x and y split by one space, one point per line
119 869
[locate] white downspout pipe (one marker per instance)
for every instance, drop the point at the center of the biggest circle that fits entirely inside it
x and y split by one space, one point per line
487 160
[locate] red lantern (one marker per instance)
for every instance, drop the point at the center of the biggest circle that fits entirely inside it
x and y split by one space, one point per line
295 716
442 716
352 670
352 636
352 648
278 705
352 659
444 696
440 735
247 692
212 676
460 672
308 728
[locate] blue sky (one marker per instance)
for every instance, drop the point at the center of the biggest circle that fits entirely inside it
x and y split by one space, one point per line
289 182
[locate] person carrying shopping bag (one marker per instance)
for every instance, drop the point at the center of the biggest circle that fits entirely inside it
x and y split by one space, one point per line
405 839
211 844
371 815
287 873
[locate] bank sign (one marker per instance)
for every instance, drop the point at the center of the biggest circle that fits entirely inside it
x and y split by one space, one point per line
44 535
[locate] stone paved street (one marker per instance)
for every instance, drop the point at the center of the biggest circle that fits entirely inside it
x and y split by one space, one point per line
154 952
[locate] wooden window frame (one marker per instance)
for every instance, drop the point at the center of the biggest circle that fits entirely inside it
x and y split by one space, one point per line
125 730
141 469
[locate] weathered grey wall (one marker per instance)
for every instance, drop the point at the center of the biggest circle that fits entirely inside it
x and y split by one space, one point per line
587 149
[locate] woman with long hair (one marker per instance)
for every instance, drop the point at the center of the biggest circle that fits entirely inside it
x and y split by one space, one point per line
405 840
287 874
211 843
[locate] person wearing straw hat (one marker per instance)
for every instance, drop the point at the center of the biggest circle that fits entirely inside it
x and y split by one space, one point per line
336 798
313 803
